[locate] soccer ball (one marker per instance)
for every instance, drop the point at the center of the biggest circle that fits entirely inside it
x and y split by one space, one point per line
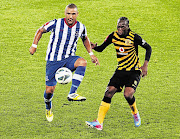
63 75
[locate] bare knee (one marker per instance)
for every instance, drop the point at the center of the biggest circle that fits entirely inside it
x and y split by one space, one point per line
50 89
110 91
128 92
80 62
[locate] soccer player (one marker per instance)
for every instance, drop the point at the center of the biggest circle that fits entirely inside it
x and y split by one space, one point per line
128 72
62 46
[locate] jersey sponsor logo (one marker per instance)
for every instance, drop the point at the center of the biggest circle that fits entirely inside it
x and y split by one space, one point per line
121 49
122 54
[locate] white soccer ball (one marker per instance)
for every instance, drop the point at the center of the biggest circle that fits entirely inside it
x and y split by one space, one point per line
63 75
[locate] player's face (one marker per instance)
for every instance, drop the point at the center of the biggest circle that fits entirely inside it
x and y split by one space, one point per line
71 15
122 27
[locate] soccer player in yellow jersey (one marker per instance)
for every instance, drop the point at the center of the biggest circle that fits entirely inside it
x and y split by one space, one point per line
128 72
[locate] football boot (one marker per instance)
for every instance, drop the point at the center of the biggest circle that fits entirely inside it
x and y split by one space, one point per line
75 97
137 119
49 115
94 124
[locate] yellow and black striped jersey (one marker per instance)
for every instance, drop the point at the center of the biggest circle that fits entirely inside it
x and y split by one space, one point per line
126 49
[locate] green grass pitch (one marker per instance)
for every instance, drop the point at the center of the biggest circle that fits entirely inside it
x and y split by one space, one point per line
22 108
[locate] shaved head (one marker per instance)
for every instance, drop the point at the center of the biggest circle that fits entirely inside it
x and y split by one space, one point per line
71 6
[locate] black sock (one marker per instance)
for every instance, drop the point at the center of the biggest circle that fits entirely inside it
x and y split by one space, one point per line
129 100
106 99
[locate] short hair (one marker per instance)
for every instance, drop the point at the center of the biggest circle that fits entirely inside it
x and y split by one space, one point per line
72 5
123 19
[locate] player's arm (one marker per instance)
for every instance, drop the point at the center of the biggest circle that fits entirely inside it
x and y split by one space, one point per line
147 58
37 37
87 45
101 47
148 48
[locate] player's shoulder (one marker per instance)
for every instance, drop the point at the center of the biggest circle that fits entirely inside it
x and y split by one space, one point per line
113 33
52 21
81 24
60 19
132 33
136 36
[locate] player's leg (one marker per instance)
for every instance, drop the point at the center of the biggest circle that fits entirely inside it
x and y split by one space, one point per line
129 96
114 85
80 66
106 102
48 95
51 82
103 108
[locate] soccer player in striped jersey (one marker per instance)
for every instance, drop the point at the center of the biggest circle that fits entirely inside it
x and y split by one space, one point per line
128 72
62 46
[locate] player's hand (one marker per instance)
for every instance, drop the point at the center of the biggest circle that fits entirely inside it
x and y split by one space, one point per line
93 45
95 60
32 50
144 70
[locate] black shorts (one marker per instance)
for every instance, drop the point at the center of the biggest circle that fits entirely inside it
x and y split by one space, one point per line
125 78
